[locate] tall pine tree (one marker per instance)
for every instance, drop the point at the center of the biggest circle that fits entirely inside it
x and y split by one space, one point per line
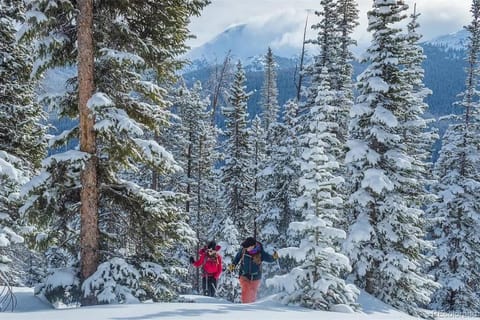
456 212
281 175
318 280
347 21
129 107
385 241
236 177
197 156
22 143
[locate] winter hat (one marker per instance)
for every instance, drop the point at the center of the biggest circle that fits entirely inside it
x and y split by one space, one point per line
250 241
212 244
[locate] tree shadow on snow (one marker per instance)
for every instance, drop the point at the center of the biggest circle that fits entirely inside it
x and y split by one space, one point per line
222 307
28 302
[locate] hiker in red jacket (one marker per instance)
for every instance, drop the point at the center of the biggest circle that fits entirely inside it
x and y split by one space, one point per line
211 262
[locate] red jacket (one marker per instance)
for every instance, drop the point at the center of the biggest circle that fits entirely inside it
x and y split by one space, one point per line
212 266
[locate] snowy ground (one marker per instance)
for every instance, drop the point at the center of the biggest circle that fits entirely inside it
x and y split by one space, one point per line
31 308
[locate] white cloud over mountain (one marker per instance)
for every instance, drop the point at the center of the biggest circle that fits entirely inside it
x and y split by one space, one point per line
280 23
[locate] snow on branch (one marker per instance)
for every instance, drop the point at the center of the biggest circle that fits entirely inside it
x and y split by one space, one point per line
99 100
122 56
154 153
7 168
377 180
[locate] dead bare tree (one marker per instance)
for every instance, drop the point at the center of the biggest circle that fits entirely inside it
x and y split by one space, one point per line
219 82
299 68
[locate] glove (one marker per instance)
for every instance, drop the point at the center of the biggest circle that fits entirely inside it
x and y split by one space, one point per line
231 267
192 260
275 255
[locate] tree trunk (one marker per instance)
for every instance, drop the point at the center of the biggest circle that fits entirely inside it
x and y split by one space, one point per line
302 57
89 234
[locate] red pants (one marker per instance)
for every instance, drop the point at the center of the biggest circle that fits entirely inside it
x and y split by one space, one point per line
249 289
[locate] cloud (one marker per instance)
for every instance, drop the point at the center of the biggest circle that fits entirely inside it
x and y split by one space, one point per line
286 18
442 17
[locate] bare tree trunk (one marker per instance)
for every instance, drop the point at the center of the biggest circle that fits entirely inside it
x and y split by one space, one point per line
220 79
89 234
199 203
154 185
300 68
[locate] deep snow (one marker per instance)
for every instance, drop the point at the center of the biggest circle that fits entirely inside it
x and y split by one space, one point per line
30 307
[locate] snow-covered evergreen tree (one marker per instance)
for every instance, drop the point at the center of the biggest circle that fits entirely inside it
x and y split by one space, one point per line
347 22
198 158
264 146
268 218
327 41
456 212
417 136
196 144
385 241
281 174
22 140
318 280
236 177
229 240
333 39
137 223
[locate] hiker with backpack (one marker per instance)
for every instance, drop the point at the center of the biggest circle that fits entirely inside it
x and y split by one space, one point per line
211 262
250 259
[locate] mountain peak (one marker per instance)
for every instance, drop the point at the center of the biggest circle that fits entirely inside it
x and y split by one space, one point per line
453 41
252 39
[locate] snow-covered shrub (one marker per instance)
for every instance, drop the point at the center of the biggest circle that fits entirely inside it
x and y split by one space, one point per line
61 287
118 281
115 281
61 284
160 283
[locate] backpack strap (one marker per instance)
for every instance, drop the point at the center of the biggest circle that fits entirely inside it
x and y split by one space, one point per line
240 262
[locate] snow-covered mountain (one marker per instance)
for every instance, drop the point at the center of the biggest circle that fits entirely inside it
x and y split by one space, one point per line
453 41
249 40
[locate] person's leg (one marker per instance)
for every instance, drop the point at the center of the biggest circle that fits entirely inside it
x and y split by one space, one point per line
249 289
205 286
212 286
255 284
244 286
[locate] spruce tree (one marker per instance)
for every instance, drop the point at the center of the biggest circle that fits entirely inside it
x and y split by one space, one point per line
318 280
237 180
327 42
385 241
333 39
22 137
417 135
268 218
281 176
129 108
456 211
347 22
229 239
196 153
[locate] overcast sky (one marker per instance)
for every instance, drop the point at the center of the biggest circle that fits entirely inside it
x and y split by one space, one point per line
438 17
